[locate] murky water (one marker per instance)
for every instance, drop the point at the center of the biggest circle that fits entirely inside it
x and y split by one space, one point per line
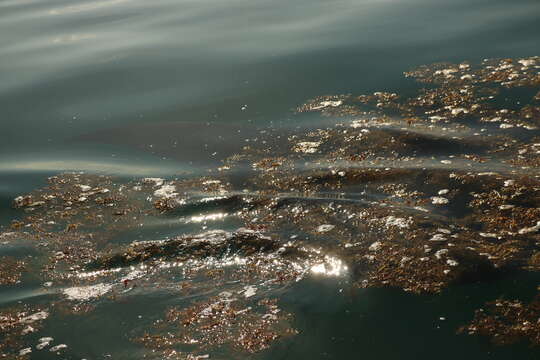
236 180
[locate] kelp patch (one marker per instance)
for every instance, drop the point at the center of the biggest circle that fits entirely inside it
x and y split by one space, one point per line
420 193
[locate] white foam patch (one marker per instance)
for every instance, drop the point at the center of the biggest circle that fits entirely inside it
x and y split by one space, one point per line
58 348
166 191
307 147
44 342
439 200
87 292
42 315
85 187
250 291
324 104
155 181
531 229
25 351
325 228
401 223
376 246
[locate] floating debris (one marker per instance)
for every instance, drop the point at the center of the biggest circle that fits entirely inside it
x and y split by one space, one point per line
57 348
507 322
25 351
82 293
439 200
220 321
44 342
325 228
531 229
11 270
250 291
416 193
166 191
307 147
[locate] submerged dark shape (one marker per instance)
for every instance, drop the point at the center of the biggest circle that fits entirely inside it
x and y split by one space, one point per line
211 244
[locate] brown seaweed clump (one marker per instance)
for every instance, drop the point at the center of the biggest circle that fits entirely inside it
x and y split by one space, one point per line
419 193
507 322
220 321
212 244
15 324
11 270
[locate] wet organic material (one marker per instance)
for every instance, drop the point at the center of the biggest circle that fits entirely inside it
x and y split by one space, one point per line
419 193
11 270
16 325
221 321
507 322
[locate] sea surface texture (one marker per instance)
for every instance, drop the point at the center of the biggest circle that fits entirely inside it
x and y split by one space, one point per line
260 179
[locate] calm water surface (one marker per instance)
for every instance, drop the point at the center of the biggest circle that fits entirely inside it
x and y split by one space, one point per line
161 88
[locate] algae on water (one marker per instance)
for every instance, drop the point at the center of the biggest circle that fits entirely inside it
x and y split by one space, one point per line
419 193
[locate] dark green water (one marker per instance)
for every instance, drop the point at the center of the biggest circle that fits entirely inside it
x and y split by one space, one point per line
160 88
92 84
